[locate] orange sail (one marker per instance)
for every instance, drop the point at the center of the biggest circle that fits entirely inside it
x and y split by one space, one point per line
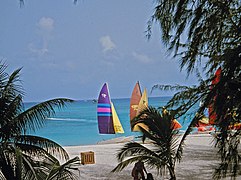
134 101
137 103
176 124
143 104
211 111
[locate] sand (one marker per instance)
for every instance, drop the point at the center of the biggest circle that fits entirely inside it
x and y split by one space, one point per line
198 163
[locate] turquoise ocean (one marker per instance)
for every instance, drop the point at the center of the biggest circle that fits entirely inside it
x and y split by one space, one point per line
76 124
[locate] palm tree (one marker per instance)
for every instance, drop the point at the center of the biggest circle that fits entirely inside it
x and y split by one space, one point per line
24 156
162 152
205 35
227 109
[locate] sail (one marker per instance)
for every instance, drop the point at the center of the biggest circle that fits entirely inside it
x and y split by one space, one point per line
104 114
203 121
116 122
211 111
134 101
176 124
143 104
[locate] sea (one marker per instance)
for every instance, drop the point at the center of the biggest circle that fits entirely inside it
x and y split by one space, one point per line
76 124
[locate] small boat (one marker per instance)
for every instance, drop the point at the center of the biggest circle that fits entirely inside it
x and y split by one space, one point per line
94 101
108 121
138 102
204 125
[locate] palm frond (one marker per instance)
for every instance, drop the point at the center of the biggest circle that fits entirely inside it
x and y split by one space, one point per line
36 153
65 171
169 87
12 88
161 150
24 156
132 152
124 164
3 76
34 117
35 141
132 148
9 127
2 176
29 169
160 125
161 131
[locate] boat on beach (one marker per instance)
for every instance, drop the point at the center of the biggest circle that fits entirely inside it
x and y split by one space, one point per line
108 120
138 102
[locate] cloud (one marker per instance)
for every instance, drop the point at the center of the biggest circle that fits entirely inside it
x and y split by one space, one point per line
107 44
38 51
45 26
141 57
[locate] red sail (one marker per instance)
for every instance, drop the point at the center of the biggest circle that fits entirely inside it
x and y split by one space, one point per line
211 110
134 101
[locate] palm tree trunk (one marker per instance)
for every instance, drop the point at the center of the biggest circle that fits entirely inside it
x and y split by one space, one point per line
172 172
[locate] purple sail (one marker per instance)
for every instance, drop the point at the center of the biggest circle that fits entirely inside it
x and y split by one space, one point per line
104 114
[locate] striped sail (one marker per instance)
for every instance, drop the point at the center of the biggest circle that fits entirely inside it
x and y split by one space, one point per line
108 120
104 114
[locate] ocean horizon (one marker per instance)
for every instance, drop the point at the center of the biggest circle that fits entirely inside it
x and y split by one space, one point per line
76 124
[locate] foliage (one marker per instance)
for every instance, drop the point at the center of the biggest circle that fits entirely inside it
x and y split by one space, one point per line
207 34
198 29
24 156
162 151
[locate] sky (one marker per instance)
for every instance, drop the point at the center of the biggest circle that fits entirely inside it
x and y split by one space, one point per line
69 50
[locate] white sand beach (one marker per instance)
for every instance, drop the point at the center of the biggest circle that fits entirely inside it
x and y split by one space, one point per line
198 163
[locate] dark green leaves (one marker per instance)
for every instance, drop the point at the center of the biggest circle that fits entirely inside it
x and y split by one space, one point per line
23 156
160 150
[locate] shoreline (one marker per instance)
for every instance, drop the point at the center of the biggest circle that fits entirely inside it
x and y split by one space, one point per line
198 162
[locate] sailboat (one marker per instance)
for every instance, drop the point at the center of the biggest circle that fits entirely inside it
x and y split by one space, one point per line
211 111
108 121
206 123
138 102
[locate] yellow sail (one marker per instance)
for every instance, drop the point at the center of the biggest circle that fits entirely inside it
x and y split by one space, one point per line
116 122
143 104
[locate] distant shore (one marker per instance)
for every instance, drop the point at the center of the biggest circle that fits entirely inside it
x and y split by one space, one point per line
198 163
